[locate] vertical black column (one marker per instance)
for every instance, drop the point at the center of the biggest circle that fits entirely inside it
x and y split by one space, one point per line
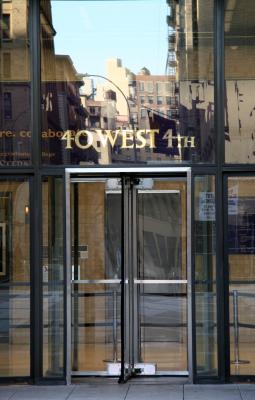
122 307
220 156
36 203
76 277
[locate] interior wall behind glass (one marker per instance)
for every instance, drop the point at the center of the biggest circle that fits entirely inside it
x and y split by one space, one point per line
239 81
15 85
14 278
53 277
205 276
131 90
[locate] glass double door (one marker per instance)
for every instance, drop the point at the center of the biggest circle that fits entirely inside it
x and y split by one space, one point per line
128 276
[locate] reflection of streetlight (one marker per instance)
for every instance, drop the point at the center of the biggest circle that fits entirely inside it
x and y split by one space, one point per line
117 87
131 122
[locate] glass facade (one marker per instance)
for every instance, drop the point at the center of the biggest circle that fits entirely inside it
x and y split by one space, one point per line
241 210
133 108
239 81
15 85
15 284
126 181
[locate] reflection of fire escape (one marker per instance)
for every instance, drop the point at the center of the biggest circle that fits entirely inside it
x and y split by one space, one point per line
171 65
172 53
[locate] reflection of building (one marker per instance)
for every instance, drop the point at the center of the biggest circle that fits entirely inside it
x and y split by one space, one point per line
100 115
15 84
155 93
62 108
190 64
120 76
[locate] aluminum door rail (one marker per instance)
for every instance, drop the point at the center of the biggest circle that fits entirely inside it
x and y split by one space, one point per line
94 281
160 281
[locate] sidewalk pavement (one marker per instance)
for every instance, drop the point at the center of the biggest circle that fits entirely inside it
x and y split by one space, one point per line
129 391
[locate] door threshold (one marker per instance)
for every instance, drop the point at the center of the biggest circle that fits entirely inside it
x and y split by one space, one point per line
138 380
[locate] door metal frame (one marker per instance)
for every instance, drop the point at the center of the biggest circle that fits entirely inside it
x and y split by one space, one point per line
94 173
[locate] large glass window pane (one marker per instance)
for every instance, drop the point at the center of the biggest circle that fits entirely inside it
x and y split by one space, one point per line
103 71
205 276
240 81
14 278
241 262
15 126
53 277
162 258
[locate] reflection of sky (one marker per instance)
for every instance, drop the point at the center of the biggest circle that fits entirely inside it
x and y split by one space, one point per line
92 31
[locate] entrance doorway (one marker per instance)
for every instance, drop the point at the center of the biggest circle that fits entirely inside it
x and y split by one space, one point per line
128 276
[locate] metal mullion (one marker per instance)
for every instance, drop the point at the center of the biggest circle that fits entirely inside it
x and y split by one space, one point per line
204 170
64 275
219 98
45 174
68 277
193 278
36 218
226 278
95 281
161 281
236 168
197 171
122 305
133 273
34 7
36 280
17 171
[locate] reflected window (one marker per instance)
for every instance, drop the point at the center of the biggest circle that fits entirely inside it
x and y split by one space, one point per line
160 87
6 26
6 65
150 99
159 100
142 99
141 86
149 87
143 113
7 105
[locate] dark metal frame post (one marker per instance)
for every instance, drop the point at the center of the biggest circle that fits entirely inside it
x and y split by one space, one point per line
36 220
122 307
220 156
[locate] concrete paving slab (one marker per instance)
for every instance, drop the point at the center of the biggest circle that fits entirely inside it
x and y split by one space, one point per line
6 392
212 392
155 392
42 393
98 392
249 395
247 391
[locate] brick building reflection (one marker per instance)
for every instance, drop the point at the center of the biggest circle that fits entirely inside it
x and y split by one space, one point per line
15 88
